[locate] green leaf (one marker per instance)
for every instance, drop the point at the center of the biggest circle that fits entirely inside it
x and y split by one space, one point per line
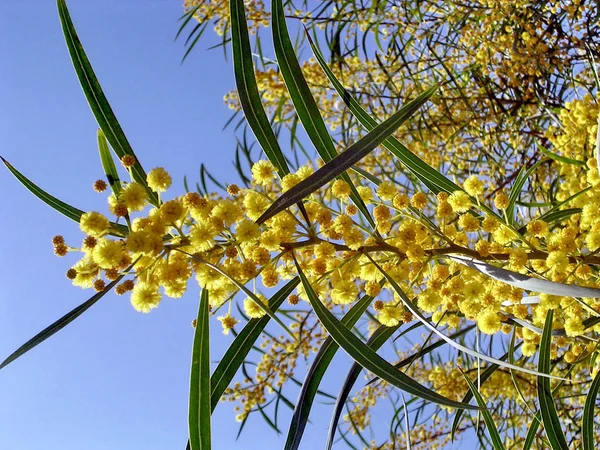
525 282
379 337
516 189
241 346
428 349
304 103
250 98
347 159
112 176
531 432
558 216
487 417
430 177
587 423
56 204
559 158
97 100
367 357
200 393
548 412
58 325
485 375
315 374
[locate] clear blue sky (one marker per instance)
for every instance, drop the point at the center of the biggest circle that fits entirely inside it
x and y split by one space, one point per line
115 378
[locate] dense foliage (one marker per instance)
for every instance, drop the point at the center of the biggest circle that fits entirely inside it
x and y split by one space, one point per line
442 203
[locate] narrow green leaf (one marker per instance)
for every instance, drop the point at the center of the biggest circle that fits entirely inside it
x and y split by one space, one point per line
58 325
526 282
377 339
516 189
347 159
485 375
56 204
558 216
548 412
487 417
367 357
110 170
315 375
200 393
430 177
531 432
304 103
97 100
247 88
559 158
241 346
428 349
587 423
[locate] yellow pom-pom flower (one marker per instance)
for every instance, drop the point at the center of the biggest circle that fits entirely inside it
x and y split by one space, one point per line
94 224
108 254
263 172
133 196
473 186
252 309
145 297
489 322
159 180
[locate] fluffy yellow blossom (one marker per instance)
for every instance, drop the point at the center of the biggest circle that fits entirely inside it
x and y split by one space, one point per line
390 315
340 190
473 186
171 211
252 309
386 191
460 201
263 172
145 297
419 200
228 322
247 231
134 196
159 180
202 235
489 322
108 254
558 261
94 224
501 200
